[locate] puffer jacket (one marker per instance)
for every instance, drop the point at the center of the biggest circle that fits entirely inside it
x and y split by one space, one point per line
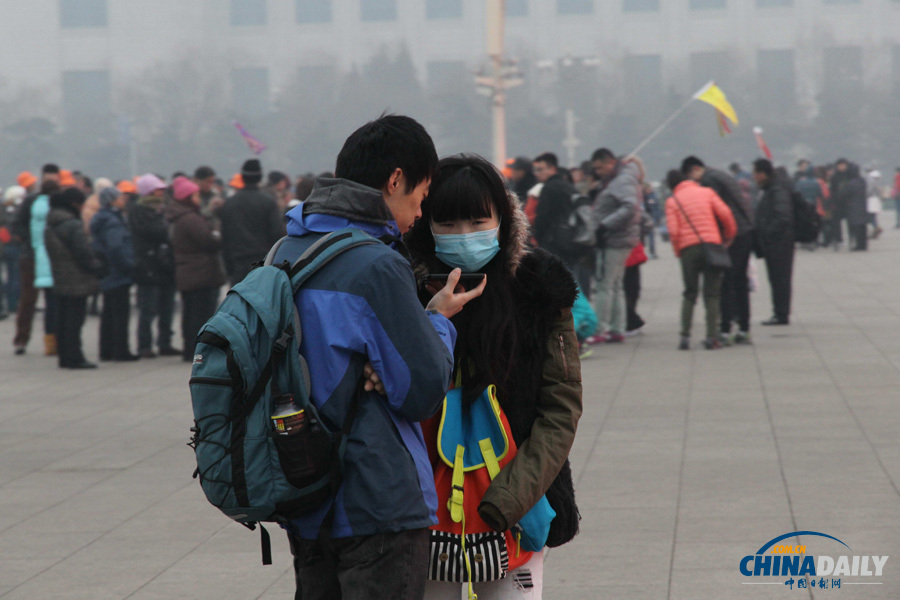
75 266
196 247
112 241
43 273
617 205
705 211
363 306
775 212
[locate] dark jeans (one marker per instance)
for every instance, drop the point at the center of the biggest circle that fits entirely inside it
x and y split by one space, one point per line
198 307
155 301
780 268
583 269
11 257
385 565
735 300
114 323
859 234
71 314
27 302
693 264
631 285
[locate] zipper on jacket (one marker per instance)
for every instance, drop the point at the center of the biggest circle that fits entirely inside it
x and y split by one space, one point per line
562 351
213 381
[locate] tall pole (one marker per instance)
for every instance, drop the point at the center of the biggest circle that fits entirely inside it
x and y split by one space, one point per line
495 29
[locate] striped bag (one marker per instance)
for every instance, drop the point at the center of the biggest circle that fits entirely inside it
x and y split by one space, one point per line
486 553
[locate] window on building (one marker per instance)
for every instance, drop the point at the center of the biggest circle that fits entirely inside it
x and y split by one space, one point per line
516 8
86 99
575 7
248 12
640 5
313 11
378 10
250 91
643 81
707 66
444 73
82 13
706 4
769 3
775 78
444 9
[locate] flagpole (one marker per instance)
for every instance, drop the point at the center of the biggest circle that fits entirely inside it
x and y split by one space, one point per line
659 129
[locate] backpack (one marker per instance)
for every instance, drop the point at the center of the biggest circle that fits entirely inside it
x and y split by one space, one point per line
246 354
575 236
807 222
473 444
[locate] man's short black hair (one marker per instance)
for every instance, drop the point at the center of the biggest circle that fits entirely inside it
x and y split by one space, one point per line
734 168
178 174
549 158
764 166
203 172
275 177
374 151
602 154
673 178
689 163
50 168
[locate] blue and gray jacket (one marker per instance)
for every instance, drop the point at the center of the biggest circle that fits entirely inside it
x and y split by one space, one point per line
363 307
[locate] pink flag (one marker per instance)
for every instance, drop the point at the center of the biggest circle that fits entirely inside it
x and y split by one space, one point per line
255 145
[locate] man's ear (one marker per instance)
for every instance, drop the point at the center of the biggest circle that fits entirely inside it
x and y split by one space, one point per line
394 182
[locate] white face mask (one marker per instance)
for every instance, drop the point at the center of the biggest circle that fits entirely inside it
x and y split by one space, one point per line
468 251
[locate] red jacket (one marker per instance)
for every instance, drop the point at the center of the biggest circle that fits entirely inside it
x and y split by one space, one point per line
706 211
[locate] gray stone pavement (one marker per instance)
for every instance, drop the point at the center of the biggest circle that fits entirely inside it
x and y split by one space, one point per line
685 461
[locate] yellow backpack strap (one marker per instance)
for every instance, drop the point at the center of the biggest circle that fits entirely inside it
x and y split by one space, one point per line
490 459
455 503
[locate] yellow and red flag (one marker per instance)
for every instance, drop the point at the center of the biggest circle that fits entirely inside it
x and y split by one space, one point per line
715 97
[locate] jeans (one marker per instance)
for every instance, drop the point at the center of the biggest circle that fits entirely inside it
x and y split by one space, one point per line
11 256
735 302
27 302
693 264
155 301
114 323
72 311
609 296
384 565
197 307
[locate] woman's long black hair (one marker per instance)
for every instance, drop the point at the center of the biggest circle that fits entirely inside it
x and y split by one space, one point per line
467 187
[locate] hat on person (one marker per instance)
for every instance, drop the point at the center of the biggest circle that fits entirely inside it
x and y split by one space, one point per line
108 195
14 194
126 187
183 188
149 183
102 182
237 182
66 178
251 171
26 179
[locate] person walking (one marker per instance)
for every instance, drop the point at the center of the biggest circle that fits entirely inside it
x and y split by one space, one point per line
198 271
154 274
775 234
111 240
696 216
75 272
251 224
518 340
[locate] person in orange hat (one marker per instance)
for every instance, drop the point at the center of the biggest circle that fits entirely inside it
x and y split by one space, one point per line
237 182
27 180
66 179
126 187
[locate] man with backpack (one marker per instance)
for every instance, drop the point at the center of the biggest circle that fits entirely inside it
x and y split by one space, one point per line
362 321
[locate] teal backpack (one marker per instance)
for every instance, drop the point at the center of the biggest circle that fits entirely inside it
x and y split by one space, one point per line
246 355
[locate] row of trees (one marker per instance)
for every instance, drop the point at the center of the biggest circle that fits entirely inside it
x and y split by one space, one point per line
178 125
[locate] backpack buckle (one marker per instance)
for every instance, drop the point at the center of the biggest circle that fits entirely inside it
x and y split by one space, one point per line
282 343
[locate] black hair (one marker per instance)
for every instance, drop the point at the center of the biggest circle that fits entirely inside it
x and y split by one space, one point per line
70 199
602 154
305 186
177 174
673 178
50 168
763 165
469 187
734 167
275 177
374 151
87 182
549 158
689 163
203 172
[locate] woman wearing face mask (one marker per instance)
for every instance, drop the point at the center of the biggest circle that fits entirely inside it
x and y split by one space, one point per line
519 337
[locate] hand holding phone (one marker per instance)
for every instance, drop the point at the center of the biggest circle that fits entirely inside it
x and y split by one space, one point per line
452 297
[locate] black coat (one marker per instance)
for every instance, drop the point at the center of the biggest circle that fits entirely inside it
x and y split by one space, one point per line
852 196
251 224
154 260
553 209
75 266
775 213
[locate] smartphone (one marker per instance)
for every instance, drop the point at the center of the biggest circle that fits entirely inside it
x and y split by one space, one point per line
469 281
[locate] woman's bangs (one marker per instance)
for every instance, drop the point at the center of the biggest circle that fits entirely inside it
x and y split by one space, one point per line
460 197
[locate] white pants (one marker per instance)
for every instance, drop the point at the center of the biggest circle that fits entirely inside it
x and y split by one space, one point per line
524 583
